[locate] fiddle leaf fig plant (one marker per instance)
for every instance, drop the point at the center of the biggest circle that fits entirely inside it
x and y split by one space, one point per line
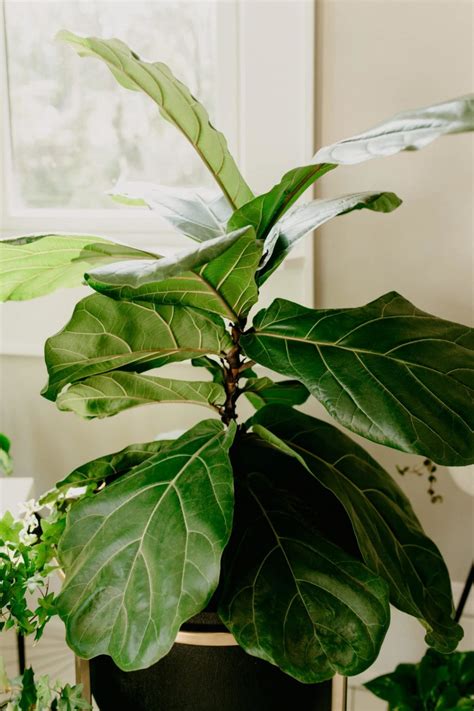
297 534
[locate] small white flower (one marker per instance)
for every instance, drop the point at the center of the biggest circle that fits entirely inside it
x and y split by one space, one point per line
28 508
27 538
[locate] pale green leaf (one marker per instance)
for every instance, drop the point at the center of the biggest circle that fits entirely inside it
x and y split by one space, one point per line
387 371
110 393
408 130
127 596
390 537
39 264
290 595
175 103
306 218
195 214
266 209
218 276
105 335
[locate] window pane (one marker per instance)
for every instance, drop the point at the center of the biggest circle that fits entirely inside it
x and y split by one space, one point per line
75 131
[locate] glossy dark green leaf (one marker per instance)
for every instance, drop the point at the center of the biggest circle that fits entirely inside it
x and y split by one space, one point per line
110 466
110 393
28 696
196 215
388 371
39 264
175 103
306 218
263 211
390 537
127 595
265 391
104 335
290 595
398 688
408 130
218 276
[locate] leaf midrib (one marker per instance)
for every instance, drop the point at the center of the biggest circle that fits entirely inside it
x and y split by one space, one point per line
169 484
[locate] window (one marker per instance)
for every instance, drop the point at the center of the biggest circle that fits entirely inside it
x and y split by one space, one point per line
73 132
69 131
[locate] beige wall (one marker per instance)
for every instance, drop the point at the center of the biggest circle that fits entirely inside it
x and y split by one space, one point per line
375 58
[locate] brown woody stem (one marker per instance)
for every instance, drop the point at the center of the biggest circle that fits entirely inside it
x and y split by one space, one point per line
232 374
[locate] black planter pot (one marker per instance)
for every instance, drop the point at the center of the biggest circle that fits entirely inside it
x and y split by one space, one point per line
193 677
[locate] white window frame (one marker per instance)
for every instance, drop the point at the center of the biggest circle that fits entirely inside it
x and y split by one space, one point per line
135 225
266 77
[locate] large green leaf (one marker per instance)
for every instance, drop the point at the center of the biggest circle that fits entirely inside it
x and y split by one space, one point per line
290 595
303 220
218 276
195 215
265 391
104 335
263 211
38 264
388 371
390 537
126 595
409 130
110 393
175 103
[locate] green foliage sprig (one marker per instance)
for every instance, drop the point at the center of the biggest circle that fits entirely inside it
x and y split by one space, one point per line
438 683
28 693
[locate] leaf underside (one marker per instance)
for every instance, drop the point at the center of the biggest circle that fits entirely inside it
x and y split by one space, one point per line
301 221
387 371
110 393
126 596
390 537
409 130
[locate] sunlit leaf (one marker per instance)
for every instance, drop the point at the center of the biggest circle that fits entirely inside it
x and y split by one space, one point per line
175 103
196 215
39 264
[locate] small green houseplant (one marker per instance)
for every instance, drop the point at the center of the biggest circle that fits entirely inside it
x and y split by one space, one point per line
301 537
439 682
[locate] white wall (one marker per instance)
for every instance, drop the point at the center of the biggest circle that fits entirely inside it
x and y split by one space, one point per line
374 58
